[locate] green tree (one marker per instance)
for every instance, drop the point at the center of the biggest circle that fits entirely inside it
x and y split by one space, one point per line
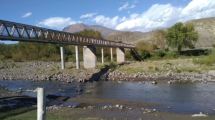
181 36
90 33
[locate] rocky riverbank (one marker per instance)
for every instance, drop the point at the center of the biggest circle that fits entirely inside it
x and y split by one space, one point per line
40 71
169 77
170 71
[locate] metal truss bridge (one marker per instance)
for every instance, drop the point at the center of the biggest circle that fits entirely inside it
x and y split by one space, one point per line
21 32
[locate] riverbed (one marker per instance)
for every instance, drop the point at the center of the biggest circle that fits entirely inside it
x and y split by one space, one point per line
189 98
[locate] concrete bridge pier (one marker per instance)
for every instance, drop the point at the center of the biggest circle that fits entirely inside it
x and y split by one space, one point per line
62 58
77 57
89 56
102 50
111 54
120 55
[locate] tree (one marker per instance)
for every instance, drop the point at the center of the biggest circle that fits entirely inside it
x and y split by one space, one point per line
181 36
90 33
159 39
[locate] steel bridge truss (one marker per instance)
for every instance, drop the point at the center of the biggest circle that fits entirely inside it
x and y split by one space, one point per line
27 33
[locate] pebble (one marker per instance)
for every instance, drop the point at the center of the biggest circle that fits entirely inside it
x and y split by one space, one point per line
117 105
199 115
170 82
154 82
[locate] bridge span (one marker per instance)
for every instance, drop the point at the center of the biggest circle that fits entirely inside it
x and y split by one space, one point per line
27 33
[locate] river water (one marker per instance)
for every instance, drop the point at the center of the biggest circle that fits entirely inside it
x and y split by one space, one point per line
179 98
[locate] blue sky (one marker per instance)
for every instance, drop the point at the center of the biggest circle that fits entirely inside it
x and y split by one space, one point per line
129 15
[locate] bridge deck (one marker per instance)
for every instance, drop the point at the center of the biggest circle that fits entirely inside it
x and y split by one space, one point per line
28 33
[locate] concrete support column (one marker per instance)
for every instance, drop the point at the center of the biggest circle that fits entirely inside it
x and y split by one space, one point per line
102 50
62 58
77 57
89 56
111 54
120 55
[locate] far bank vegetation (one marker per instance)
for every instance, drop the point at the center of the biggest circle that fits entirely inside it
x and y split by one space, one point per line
177 41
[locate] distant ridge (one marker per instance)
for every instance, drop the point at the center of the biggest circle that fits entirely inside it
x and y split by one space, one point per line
80 27
205 28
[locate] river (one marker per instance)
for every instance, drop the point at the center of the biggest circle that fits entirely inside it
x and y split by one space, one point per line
179 98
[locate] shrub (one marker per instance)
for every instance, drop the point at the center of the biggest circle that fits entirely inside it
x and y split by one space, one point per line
70 58
206 60
160 53
113 66
2 57
171 54
145 54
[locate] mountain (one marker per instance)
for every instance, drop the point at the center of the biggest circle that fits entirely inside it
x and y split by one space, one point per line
206 30
80 27
205 27
107 33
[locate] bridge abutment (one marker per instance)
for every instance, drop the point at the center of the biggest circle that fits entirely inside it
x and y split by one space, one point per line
89 56
120 55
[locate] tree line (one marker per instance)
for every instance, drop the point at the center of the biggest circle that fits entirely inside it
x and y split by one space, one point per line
165 42
26 51
169 42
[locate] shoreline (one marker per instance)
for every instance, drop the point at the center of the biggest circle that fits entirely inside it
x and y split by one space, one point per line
50 71
169 78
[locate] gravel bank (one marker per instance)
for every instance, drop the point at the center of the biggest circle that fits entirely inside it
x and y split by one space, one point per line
169 77
39 71
166 71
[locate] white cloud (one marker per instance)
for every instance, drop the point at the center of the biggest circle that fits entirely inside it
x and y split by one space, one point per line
28 14
88 15
198 9
108 21
156 17
127 6
56 22
165 15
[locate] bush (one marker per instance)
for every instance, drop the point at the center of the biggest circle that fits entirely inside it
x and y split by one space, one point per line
70 58
206 60
113 66
160 53
145 54
2 57
171 54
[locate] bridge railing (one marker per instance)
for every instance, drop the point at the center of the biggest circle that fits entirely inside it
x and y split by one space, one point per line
28 33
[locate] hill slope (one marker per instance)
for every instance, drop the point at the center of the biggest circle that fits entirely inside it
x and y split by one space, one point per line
80 27
107 33
205 28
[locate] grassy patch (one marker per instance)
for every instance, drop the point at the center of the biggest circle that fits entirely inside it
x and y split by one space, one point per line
205 60
5 115
178 65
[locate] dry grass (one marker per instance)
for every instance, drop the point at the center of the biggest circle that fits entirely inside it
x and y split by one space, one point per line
160 66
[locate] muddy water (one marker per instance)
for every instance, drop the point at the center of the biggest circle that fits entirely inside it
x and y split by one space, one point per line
179 98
